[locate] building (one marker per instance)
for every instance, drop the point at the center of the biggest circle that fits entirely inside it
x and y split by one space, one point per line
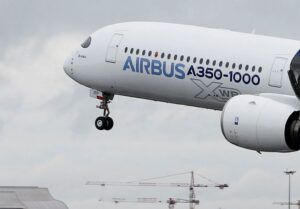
28 198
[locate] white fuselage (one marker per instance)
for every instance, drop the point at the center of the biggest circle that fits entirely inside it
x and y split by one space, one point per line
254 80
182 64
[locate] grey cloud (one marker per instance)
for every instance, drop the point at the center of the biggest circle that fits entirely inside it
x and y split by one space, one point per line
20 19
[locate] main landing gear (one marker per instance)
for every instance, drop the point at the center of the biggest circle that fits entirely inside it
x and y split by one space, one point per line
104 122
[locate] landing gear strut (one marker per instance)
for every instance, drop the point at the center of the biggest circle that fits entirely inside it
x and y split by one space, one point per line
104 122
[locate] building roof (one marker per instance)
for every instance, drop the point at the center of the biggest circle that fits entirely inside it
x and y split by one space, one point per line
28 198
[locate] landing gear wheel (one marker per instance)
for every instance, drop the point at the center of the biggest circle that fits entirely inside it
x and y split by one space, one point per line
101 123
104 122
109 123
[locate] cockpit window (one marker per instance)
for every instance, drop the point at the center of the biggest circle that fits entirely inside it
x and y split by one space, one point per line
86 43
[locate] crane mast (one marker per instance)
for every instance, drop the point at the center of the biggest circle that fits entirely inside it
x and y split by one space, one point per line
192 191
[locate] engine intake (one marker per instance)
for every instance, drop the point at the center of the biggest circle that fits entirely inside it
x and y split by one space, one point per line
262 124
292 131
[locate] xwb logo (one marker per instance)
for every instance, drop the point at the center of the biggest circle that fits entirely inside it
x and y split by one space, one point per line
214 90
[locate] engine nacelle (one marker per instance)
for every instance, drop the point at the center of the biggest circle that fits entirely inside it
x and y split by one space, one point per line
262 124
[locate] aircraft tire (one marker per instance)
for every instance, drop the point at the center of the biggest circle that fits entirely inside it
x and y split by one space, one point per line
101 123
109 123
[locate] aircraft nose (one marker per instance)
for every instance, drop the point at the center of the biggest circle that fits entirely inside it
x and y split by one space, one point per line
68 66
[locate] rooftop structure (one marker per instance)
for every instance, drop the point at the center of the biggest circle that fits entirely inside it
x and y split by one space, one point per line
28 198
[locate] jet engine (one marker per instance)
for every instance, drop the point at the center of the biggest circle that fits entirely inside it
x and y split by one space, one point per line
262 123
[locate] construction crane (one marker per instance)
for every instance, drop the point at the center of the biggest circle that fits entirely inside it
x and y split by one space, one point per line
192 197
171 201
286 203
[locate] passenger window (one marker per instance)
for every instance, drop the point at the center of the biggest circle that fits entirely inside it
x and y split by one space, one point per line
220 64
227 64
149 53
162 55
156 54
188 59
253 69
131 50
169 56
175 57
233 66
137 51
214 62
195 60
207 62
201 61
240 66
86 43
126 49
181 58
144 52
260 69
247 67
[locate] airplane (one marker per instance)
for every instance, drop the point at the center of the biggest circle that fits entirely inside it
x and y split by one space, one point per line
253 79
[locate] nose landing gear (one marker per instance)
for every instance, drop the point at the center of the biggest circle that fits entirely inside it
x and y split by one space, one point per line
104 122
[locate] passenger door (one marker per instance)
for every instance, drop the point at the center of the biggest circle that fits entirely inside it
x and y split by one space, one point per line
277 70
112 49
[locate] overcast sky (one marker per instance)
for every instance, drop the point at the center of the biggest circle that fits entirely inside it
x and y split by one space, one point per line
47 133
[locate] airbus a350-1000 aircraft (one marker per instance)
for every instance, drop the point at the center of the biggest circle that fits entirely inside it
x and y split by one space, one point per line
253 79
